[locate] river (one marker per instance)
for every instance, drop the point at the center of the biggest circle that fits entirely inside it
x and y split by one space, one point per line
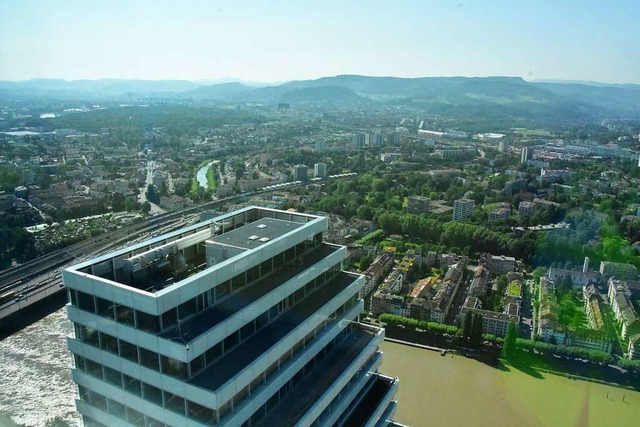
201 175
35 375
456 391
36 388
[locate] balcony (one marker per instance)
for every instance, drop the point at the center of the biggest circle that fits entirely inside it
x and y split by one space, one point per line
243 356
207 319
311 389
373 403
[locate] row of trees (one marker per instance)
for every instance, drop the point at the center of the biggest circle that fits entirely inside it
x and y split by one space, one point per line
550 350
466 237
429 327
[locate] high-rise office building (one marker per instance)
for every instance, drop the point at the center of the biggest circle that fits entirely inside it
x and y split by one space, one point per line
320 170
463 209
243 320
359 140
525 155
300 173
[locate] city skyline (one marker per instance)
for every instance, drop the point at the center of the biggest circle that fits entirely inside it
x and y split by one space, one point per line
275 42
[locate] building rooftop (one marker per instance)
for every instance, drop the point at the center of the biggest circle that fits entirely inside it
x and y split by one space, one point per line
257 233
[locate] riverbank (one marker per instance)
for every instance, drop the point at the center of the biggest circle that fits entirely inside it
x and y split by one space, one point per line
456 390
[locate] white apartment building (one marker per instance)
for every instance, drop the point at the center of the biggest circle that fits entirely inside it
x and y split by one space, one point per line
243 320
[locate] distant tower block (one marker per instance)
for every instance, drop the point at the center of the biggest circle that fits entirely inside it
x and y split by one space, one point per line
503 146
585 266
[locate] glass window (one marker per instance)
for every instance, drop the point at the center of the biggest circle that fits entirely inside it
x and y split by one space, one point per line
116 408
132 385
90 336
169 318
112 376
134 417
105 308
174 403
79 360
187 309
266 267
174 367
223 289
108 343
197 364
148 322
128 351
152 394
238 282
93 368
125 314
247 330
99 401
83 393
231 341
200 413
149 359
213 353
86 302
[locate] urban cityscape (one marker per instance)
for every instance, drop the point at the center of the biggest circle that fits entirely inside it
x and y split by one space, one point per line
324 249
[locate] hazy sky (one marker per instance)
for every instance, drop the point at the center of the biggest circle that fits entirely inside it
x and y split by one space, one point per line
285 40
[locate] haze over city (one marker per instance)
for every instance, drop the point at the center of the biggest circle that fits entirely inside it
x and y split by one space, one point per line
267 41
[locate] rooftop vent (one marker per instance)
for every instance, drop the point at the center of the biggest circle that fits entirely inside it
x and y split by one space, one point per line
262 226
254 237
264 239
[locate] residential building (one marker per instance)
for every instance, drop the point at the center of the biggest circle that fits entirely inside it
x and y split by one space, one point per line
526 208
462 209
245 319
500 213
591 340
320 170
500 264
633 349
618 270
578 278
592 306
377 140
300 173
622 307
358 140
417 204
525 155
493 323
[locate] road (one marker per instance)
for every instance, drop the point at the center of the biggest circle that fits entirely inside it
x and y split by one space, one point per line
142 197
526 312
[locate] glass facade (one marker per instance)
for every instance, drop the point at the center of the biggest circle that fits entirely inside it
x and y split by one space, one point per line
269 315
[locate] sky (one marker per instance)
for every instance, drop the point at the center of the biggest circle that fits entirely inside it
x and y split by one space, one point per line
274 41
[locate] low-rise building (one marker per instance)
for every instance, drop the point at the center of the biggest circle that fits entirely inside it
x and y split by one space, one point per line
620 300
578 278
462 209
618 270
526 208
500 264
500 213
417 205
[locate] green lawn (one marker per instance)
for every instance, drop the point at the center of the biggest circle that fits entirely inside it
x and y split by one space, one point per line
514 289
572 312
212 173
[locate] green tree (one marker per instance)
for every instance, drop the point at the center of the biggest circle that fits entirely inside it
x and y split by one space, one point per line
146 207
467 324
476 330
509 347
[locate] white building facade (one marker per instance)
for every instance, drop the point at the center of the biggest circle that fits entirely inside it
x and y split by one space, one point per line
243 320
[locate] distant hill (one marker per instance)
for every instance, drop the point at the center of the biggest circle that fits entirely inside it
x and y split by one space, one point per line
488 97
101 88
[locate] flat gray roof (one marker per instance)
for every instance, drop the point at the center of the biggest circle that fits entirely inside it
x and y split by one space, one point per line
249 236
